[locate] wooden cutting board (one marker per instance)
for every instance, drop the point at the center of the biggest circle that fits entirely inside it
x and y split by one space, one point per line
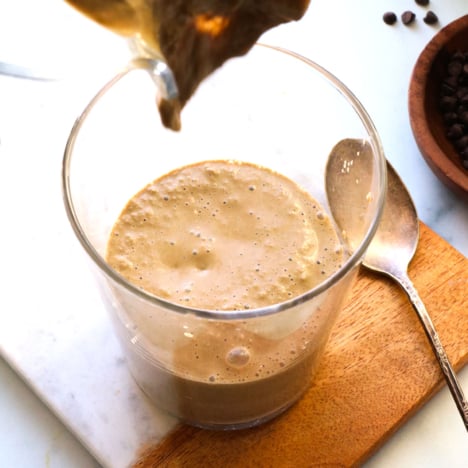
377 371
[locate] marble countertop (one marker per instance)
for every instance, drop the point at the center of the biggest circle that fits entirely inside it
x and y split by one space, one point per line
348 38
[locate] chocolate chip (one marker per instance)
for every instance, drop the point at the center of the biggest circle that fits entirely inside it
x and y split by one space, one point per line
455 132
447 90
422 2
453 103
430 18
463 116
458 55
462 143
464 155
451 82
463 79
448 103
450 117
389 17
408 17
454 68
463 99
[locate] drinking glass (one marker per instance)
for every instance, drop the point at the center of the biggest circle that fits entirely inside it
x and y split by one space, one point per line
272 108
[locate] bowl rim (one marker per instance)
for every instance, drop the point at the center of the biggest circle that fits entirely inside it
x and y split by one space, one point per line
447 170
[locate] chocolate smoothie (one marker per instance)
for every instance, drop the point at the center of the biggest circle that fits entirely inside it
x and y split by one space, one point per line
224 236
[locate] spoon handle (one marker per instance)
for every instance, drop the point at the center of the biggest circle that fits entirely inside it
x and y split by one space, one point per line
439 351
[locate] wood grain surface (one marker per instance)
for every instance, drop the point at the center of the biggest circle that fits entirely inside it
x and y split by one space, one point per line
377 371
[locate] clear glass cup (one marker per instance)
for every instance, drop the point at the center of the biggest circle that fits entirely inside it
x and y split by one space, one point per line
272 108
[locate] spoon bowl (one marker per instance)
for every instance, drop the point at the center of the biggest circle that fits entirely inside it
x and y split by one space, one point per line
394 242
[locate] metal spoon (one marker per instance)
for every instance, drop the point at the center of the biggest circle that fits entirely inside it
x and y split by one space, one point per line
395 240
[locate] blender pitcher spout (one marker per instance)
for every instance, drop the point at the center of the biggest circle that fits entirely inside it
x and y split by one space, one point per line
167 91
161 74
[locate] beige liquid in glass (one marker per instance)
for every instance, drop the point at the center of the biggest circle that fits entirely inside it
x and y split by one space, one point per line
224 235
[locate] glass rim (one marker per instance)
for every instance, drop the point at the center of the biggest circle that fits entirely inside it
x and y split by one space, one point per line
351 262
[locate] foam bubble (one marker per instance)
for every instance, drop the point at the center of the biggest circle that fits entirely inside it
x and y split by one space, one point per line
238 356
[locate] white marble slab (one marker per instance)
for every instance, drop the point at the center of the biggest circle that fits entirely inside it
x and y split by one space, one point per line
54 330
32 436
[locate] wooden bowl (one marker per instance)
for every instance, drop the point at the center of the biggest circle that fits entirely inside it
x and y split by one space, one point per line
425 115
